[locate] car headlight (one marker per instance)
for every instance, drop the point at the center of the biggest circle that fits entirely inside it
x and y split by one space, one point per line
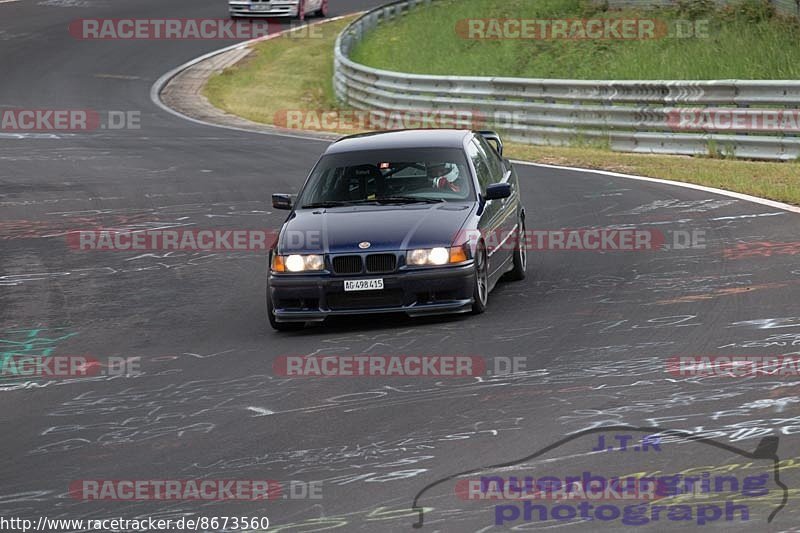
436 256
297 263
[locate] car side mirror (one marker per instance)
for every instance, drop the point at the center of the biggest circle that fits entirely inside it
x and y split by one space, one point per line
496 191
282 201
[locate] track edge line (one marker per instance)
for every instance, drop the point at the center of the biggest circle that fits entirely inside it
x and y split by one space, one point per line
686 185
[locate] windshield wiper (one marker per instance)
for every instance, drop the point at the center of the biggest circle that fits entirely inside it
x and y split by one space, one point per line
385 200
315 205
408 200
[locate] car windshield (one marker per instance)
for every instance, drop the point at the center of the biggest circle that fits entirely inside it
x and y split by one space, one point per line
427 175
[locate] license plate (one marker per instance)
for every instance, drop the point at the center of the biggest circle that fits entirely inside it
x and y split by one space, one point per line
363 285
259 8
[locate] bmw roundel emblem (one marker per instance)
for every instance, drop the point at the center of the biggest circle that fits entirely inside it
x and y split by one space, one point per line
364 245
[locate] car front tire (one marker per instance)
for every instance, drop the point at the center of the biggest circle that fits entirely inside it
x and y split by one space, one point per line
323 10
480 293
520 256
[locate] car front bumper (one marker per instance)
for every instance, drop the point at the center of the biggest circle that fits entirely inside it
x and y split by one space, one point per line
433 291
264 9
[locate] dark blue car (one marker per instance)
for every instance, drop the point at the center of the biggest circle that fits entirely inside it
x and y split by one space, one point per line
418 221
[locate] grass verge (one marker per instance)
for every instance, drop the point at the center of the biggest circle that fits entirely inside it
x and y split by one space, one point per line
293 73
288 72
775 181
748 40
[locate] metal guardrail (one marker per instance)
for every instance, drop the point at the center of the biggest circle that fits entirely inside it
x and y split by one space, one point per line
667 117
784 7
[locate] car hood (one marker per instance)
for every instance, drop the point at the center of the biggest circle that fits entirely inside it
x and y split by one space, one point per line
386 228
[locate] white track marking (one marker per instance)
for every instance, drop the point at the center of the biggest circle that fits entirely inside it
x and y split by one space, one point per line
712 190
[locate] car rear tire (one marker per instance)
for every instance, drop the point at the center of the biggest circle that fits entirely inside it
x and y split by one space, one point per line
280 326
480 294
520 256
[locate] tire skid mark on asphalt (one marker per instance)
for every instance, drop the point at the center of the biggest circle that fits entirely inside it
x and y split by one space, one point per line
6 135
777 340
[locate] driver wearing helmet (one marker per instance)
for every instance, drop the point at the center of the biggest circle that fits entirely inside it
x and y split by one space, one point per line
445 177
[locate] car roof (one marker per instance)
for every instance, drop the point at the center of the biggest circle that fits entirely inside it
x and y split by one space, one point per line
422 138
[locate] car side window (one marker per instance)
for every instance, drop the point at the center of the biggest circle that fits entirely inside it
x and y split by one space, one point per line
496 166
478 157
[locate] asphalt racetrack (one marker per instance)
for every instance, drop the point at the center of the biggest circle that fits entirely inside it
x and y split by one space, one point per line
594 329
